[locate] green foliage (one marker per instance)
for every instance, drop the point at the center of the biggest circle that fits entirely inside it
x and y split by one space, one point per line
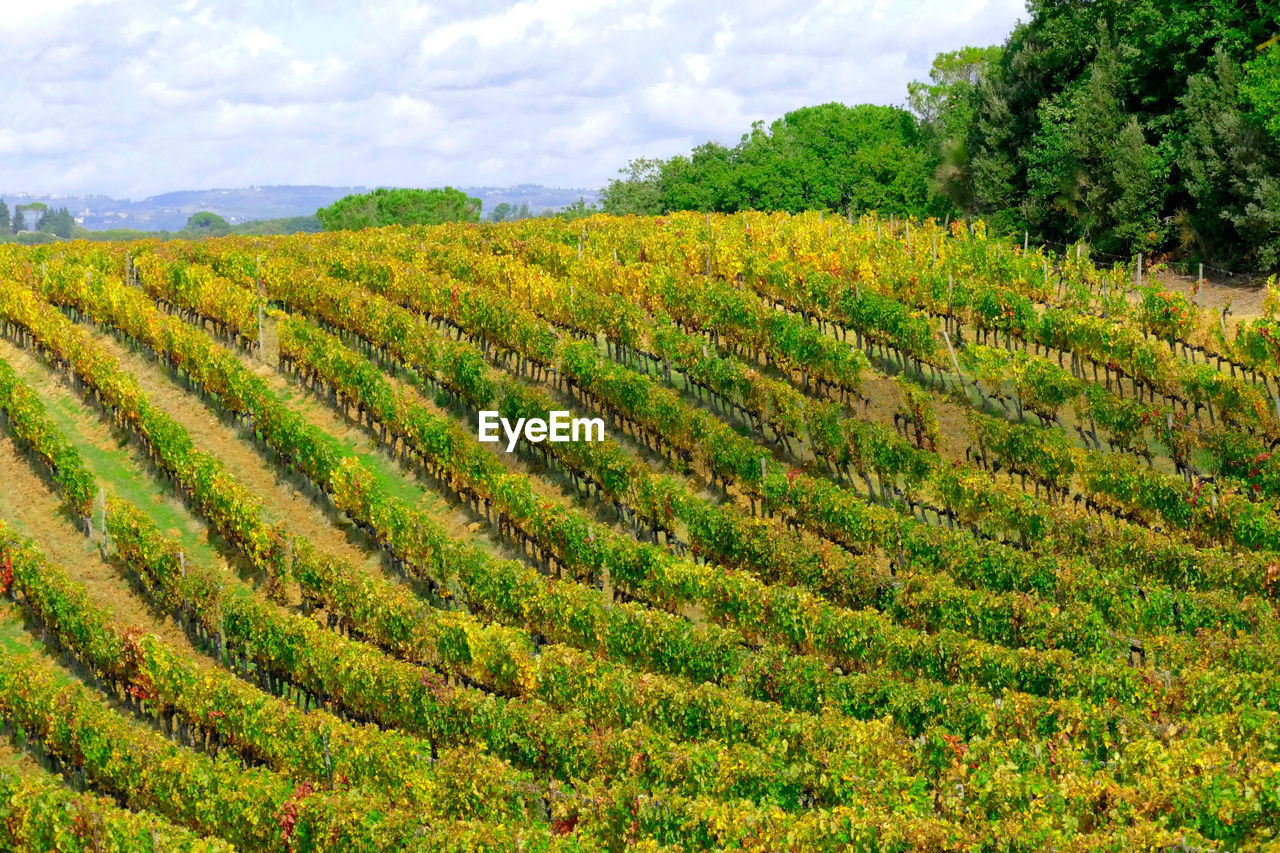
578 210
638 191
28 238
945 105
57 222
283 225
207 224
19 220
506 212
1261 88
4 216
399 207
253 228
945 108
1230 163
1112 121
826 157
1089 171
122 235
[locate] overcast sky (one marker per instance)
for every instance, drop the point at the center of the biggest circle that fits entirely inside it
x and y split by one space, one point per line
136 98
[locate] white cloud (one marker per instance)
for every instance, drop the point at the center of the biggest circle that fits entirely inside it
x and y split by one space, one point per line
137 97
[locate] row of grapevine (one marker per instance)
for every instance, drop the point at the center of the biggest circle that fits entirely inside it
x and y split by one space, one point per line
623 481
550 676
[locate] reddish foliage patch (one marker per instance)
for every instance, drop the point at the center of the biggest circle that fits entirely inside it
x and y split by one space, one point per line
288 819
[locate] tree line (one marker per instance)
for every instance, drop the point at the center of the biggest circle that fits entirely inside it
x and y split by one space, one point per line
1133 125
386 206
59 223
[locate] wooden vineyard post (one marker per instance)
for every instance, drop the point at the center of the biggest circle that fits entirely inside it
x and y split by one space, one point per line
258 275
1137 273
100 513
1222 321
955 364
182 569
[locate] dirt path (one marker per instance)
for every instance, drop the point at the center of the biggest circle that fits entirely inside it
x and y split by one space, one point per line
281 501
1245 293
110 456
30 505
282 497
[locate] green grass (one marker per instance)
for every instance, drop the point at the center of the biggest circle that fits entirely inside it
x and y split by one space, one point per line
386 472
123 475
14 639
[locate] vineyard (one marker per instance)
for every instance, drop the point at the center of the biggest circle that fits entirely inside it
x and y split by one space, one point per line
901 537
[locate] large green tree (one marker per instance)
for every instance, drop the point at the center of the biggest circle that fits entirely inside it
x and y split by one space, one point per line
830 156
1135 124
638 191
507 212
207 224
57 222
945 107
399 207
1230 163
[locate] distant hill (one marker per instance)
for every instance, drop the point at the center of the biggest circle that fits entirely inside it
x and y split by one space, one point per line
538 197
169 212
